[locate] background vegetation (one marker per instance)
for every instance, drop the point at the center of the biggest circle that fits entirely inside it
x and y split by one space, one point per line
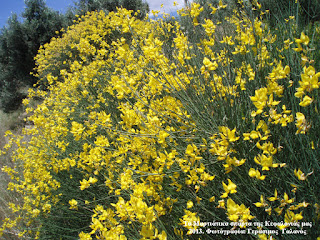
20 41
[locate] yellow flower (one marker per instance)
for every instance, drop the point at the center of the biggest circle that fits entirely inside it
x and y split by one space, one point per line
287 43
304 39
46 207
162 136
312 145
286 200
261 203
309 81
256 173
222 204
189 217
230 188
272 199
232 162
252 172
306 101
263 237
265 161
73 204
84 184
221 5
189 204
211 66
292 217
147 231
301 123
195 12
299 174
225 132
299 48
102 141
212 199
236 211
210 30
213 9
267 148
260 99
232 209
162 236
246 136
85 236
254 134
269 210
76 130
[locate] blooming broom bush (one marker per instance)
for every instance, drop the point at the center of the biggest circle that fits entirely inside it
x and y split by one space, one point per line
139 139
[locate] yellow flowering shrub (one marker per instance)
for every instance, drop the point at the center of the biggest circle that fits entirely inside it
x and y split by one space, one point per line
137 141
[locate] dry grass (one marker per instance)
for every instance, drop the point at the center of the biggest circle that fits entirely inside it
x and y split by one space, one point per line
14 123
11 121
